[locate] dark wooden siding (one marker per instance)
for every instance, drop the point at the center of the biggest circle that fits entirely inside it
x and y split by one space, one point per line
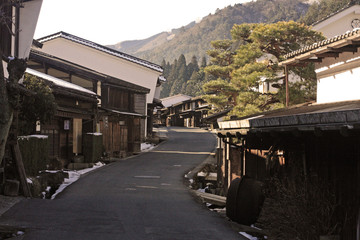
140 103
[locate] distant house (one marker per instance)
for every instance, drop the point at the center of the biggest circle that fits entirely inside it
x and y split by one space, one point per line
346 19
161 114
168 101
213 119
316 142
119 109
110 62
187 113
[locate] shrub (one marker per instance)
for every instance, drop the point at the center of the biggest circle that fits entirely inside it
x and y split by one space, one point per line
34 151
298 210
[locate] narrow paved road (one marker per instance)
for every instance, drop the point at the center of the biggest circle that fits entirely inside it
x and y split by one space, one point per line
142 197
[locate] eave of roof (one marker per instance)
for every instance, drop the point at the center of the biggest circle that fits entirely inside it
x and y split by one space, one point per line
217 115
56 62
323 115
102 48
123 113
315 51
60 83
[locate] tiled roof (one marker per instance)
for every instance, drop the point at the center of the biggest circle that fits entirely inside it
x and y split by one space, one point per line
305 114
323 43
102 48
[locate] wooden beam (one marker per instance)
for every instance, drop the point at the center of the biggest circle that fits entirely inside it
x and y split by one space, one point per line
312 60
296 133
287 86
343 49
298 63
327 54
318 132
353 42
35 66
64 78
344 131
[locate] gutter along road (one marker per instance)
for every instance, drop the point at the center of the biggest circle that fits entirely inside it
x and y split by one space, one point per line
141 197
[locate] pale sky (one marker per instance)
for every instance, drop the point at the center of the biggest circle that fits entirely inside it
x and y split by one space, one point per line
112 21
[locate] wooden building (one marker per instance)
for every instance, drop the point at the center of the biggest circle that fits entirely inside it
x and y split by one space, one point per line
110 62
120 109
346 19
187 113
75 113
314 142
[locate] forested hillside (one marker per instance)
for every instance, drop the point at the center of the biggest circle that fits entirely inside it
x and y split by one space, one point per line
184 52
191 83
194 39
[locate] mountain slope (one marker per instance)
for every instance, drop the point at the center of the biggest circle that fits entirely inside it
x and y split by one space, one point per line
194 39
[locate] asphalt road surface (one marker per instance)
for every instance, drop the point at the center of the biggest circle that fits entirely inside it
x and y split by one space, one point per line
142 197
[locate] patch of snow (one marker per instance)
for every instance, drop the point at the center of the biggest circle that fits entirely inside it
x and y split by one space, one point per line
74 176
248 236
95 134
198 20
145 147
29 181
170 37
52 171
253 226
33 136
212 174
58 81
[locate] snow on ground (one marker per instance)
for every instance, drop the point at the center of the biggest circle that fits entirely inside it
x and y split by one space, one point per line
248 236
147 147
74 176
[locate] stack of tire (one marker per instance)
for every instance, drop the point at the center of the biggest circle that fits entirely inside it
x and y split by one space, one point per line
244 200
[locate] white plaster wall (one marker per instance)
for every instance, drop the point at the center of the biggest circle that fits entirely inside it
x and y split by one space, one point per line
339 23
157 92
28 19
343 86
29 15
104 63
338 78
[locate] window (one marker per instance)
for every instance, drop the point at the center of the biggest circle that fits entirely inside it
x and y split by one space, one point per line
120 99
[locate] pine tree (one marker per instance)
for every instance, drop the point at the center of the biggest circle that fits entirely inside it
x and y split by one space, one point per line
250 57
203 62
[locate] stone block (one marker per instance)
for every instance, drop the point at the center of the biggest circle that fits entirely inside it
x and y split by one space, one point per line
79 166
11 188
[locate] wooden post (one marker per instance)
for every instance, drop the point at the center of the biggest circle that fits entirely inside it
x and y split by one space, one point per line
21 170
17 156
287 85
